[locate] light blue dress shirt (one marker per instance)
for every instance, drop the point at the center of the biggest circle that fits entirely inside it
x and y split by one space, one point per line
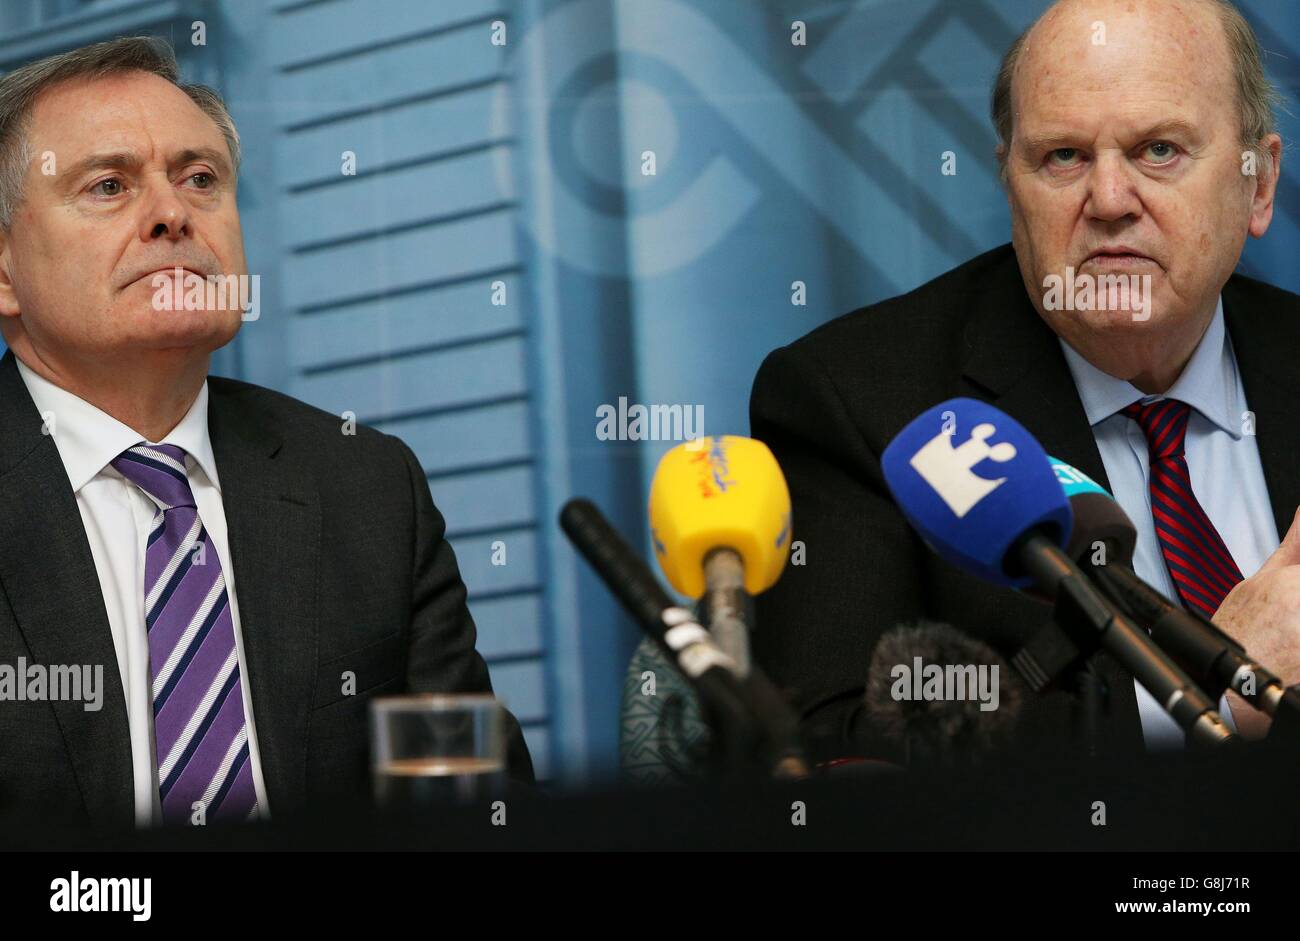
1222 458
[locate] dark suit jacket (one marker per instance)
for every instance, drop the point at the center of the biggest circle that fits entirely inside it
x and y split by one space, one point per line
829 403
340 563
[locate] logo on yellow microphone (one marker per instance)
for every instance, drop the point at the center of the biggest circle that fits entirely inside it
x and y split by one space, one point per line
721 491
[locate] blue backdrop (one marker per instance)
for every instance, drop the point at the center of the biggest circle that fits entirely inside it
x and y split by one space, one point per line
478 221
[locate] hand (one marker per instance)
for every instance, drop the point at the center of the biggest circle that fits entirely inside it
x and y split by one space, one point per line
1262 614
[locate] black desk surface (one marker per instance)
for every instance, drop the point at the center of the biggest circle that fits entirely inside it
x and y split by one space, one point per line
1242 801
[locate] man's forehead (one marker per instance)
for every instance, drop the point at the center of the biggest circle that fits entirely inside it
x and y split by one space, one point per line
1165 35
1122 108
118 111
1182 18
1130 104
1141 66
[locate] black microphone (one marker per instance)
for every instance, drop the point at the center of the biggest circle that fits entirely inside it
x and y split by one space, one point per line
750 717
1009 527
1103 543
947 729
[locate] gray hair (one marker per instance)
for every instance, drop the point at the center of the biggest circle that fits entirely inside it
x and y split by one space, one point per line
20 88
1256 96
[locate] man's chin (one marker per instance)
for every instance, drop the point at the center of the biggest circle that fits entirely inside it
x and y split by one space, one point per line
1102 299
1121 319
1120 326
201 333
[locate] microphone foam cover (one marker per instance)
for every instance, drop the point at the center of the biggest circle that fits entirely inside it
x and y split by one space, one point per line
940 729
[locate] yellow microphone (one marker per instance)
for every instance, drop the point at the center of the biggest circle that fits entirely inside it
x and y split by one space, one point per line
720 521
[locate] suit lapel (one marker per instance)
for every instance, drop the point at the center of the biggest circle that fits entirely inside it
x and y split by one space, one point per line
1266 340
49 578
1013 360
273 522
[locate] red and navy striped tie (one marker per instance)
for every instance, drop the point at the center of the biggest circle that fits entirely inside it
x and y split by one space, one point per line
1199 563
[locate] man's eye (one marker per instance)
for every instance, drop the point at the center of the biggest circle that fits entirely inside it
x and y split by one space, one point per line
211 181
1063 156
1160 151
113 182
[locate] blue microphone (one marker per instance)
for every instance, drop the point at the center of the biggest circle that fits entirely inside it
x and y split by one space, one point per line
974 483
983 494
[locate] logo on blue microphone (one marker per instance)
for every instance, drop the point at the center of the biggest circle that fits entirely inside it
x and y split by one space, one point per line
1073 480
949 472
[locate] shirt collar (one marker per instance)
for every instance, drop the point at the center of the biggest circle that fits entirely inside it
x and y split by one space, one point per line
88 438
1208 382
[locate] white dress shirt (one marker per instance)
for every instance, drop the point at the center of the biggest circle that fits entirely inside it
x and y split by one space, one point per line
118 516
1222 459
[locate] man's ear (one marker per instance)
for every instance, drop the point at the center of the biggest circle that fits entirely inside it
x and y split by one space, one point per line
1267 173
8 297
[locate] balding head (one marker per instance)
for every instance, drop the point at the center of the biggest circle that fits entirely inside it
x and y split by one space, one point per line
1210 20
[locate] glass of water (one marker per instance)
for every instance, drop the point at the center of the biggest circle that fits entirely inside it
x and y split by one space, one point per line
434 748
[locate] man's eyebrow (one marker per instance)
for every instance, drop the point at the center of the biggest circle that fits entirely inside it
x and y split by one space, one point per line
1047 141
204 155
1168 129
110 161
1171 128
130 161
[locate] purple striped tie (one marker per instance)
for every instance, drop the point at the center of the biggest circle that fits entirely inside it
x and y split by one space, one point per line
198 706
1197 558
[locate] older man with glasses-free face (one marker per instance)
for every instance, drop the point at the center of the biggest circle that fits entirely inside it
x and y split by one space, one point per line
1137 150
248 575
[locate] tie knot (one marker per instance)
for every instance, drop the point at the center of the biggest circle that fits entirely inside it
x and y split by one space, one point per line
158 470
1164 422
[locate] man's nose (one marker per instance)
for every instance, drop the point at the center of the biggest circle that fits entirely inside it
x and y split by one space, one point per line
164 213
1112 190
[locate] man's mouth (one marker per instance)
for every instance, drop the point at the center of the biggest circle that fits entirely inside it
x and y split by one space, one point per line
186 270
1118 257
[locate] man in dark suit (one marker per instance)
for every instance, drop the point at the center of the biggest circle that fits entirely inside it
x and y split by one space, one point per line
245 572
1151 158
